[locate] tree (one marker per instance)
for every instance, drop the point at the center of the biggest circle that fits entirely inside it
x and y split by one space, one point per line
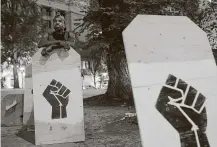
208 21
113 16
94 66
20 31
97 62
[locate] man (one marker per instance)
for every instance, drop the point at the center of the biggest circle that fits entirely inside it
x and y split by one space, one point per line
59 38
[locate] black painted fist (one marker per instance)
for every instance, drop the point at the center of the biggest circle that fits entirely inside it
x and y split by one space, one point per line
58 96
184 108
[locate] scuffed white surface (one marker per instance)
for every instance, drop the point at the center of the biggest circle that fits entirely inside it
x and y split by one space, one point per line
152 38
157 46
186 70
28 102
152 124
65 68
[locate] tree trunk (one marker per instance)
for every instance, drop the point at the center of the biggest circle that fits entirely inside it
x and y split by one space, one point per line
14 59
16 79
100 83
15 73
119 86
94 79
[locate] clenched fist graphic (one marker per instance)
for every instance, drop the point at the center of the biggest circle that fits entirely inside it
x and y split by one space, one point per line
184 108
58 96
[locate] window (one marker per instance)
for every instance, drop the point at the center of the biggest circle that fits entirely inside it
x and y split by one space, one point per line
47 11
43 11
63 13
47 23
85 64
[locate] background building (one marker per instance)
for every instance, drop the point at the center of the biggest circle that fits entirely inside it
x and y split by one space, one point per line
70 9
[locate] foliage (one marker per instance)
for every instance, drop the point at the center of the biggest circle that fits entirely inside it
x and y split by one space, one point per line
20 28
97 62
107 21
114 16
208 22
20 32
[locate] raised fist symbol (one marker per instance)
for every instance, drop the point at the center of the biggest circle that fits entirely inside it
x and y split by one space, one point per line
58 96
184 108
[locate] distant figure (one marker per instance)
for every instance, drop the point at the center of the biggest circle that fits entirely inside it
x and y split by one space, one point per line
58 38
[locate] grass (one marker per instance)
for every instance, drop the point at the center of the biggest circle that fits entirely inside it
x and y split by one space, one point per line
104 127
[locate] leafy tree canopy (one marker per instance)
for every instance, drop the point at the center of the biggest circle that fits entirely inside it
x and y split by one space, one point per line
20 28
106 19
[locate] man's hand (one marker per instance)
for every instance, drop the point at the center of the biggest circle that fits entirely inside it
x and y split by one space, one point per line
184 108
45 51
58 96
44 42
64 44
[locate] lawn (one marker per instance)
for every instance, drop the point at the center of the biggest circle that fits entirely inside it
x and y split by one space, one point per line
104 127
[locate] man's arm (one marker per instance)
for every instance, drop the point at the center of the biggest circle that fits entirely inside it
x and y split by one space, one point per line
71 39
44 42
67 43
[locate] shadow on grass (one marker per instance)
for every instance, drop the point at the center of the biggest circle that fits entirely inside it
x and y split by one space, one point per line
27 132
103 100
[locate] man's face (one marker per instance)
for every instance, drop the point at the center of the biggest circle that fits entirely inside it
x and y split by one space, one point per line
59 24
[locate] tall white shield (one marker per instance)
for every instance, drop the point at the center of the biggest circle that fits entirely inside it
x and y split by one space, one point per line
174 80
57 97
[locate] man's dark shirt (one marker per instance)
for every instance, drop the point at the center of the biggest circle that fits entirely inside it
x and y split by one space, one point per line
59 36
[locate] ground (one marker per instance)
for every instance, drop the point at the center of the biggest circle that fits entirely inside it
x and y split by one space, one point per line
104 127
92 92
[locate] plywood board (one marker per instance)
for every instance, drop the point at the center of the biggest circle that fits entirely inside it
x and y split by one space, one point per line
57 97
174 80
